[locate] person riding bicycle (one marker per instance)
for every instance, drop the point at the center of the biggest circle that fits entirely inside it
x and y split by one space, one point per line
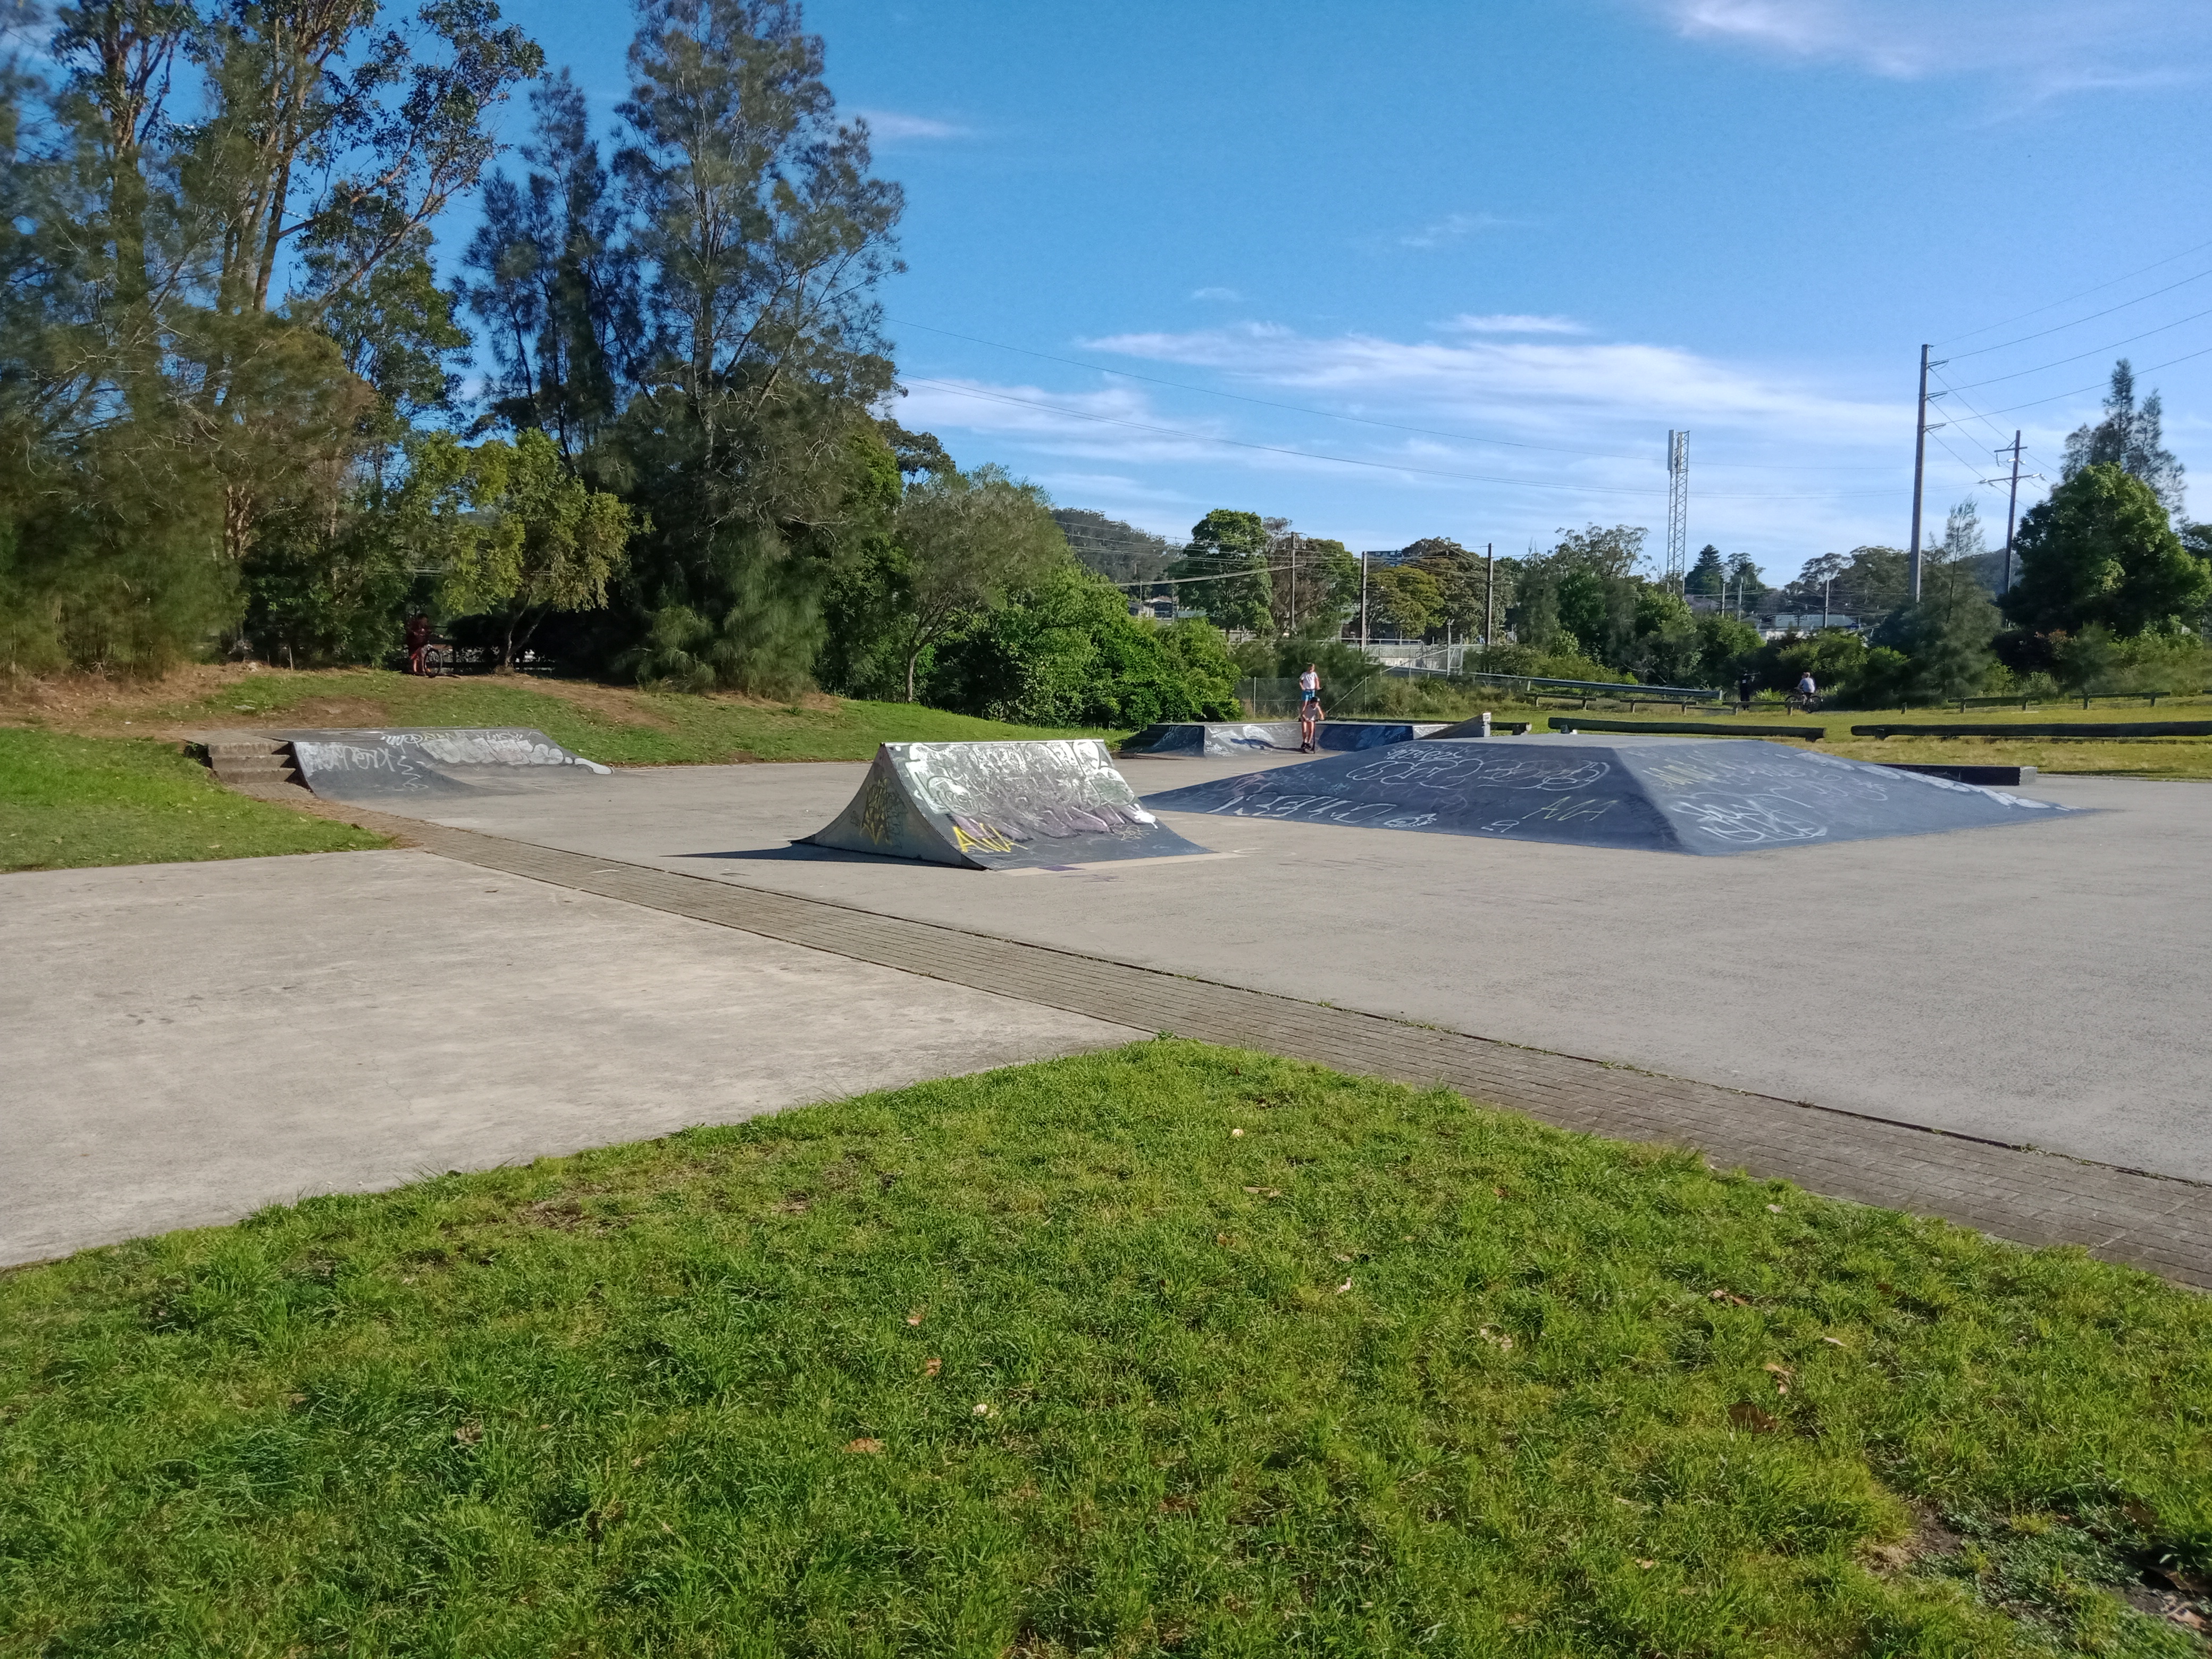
1309 707
1808 693
418 640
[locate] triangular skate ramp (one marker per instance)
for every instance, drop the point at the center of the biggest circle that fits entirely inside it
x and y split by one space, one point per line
392 767
1263 737
999 806
1659 795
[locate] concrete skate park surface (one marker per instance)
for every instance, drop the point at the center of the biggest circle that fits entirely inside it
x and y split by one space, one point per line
200 1040
2035 985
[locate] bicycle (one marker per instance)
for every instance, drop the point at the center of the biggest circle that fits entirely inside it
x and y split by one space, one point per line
434 660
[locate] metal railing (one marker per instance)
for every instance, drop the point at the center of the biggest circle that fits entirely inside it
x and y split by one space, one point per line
1528 682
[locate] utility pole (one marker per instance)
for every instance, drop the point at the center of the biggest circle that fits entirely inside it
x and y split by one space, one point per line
1921 429
2012 504
1489 596
1362 601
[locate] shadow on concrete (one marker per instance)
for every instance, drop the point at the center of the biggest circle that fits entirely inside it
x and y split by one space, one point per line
797 853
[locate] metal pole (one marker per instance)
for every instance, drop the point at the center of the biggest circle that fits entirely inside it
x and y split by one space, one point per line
1919 472
1362 601
1489 595
2012 503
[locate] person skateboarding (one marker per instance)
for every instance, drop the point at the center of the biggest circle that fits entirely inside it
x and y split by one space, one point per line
418 637
1308 708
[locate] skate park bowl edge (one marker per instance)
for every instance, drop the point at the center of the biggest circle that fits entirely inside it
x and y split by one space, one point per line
999 806
368 766
1168 738
1656 794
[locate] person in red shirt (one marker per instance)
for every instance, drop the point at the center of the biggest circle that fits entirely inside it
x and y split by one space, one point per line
419 636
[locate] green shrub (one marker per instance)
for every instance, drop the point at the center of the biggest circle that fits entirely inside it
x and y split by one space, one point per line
1067 652
2095 660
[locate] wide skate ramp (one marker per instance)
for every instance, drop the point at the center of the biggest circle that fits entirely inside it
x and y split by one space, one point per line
1659 795
1261 737
999 806
375 766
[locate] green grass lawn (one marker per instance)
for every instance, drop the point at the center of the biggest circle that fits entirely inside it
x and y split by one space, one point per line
1165 1350
68 802
619 725
2145 757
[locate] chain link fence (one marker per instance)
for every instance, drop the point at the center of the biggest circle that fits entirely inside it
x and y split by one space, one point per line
1278 699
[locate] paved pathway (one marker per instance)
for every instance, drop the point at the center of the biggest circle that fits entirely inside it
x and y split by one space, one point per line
186 1043
2158 1223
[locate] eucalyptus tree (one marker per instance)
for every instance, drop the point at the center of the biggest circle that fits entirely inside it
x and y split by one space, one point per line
556 286
225 211
761 236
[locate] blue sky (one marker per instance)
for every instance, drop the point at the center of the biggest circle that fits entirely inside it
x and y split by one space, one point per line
1482 257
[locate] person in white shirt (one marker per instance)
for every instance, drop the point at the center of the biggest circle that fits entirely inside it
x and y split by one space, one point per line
1309 707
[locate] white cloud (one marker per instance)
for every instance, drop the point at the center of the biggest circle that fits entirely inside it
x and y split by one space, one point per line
1507 322
1109 424
891 124
1497 435
1524 383
1452 227
1215 294
2043 46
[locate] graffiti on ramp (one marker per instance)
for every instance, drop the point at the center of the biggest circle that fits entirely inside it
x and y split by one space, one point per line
1660 793
375 765
999 806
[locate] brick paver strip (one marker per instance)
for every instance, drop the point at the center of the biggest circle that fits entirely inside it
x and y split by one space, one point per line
2153 1222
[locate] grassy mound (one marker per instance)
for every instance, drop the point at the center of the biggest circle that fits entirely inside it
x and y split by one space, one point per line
68 802
1170 1349
619 725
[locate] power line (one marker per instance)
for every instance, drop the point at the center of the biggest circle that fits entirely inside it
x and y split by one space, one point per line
1184 582
1972 414
2098 351
1345 461
1356 420
2023 316
2097 386
2060 328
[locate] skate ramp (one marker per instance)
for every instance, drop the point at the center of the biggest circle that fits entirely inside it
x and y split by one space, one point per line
1266 737
1656 795
390 767
999 806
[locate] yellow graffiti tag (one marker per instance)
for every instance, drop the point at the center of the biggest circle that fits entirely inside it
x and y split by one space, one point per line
989 842
878 803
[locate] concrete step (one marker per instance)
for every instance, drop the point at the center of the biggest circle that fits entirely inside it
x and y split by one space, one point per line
259 768
252 763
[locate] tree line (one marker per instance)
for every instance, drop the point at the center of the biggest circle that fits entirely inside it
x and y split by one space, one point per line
232 378
233 393
2107 587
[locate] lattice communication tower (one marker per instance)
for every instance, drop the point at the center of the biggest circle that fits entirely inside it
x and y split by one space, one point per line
1678 508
